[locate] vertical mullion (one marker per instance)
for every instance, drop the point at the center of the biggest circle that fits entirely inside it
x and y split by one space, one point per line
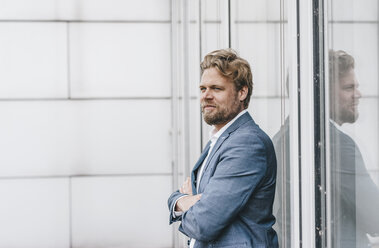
229 25
200 20
295 121
377 97
297 171
307 131
327 226
70 210
186 88
68 57
284 165
319 110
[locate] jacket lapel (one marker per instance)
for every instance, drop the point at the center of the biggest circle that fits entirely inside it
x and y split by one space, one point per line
197 165
241 120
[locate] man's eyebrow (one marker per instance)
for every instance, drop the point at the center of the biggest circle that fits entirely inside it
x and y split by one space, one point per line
350 85
216 86
211 86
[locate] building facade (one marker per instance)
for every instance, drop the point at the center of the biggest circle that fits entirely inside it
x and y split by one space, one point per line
101 119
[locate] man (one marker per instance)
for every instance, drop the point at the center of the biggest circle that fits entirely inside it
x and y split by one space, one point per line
354 196
228 202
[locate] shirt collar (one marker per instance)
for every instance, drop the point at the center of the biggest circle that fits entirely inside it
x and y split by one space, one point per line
336 125
333 122
215 135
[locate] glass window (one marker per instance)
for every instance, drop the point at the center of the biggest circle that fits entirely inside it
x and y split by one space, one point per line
259 34
353 123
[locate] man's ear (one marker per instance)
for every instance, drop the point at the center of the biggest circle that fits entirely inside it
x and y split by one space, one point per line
243 93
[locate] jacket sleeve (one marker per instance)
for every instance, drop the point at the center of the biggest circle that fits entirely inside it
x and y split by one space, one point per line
240 169
171 201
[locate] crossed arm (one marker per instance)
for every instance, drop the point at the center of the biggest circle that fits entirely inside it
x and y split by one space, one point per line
239 171
186 202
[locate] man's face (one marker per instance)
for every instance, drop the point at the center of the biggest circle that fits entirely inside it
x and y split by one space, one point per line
345 99
220 102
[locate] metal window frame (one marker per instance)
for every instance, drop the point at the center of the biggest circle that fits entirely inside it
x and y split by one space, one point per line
306 124
295 121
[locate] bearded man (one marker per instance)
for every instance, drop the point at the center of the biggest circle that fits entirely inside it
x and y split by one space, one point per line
354 196
228 200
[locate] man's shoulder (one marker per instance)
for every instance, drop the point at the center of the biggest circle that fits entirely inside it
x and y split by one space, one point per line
250 128
250 132
339 137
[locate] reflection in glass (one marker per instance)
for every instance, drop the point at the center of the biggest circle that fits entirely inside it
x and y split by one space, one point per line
282 203
354 196
353 31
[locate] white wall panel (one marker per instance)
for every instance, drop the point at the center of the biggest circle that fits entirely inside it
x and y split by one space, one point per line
106 60
35 10
194 60
34 213
214 37
121 10
194 10
121 212
256 10
214 10
33 60
85 10
354 10
259 45
85 137
360 41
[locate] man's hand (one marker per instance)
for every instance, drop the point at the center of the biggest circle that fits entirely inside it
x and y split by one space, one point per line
186 187
184 203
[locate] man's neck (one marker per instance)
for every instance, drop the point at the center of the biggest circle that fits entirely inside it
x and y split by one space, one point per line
218 127
336 121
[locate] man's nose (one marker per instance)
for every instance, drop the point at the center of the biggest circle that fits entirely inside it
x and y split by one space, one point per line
357 94
207 94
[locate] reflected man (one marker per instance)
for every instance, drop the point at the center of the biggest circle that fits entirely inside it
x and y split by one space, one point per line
228 200
354 196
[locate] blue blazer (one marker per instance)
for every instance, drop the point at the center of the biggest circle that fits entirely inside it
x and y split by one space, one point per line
237 187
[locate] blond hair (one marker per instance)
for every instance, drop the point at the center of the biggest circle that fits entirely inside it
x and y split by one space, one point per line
340 63
230 65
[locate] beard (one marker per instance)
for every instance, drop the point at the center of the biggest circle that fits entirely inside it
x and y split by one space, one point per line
349 116
222 114
344 114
